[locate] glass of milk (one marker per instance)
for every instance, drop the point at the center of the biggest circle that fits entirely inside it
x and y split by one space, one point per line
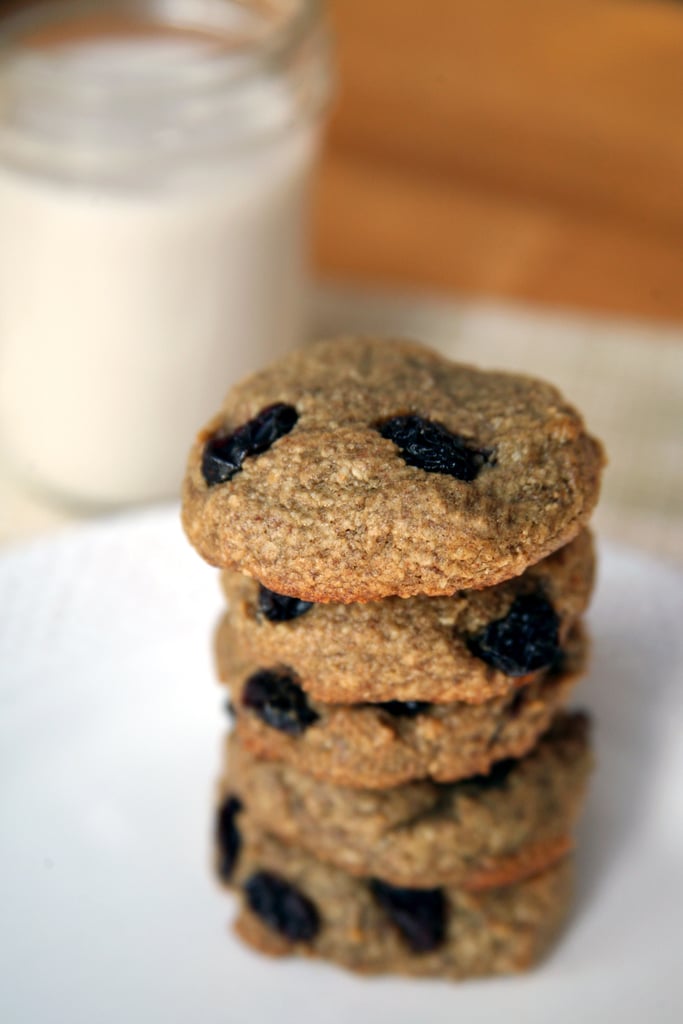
155 163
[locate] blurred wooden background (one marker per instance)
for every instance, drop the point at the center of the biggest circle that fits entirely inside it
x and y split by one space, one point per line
524 149
529 149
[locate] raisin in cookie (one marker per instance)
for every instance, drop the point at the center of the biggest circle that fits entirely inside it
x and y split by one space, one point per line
480 833
472 646
373 746
357 469
293 903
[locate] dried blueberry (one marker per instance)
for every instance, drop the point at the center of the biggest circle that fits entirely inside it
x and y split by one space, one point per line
430 446
526 640
228 838
224 454
282 907
279 608
419 914
404 709
278 700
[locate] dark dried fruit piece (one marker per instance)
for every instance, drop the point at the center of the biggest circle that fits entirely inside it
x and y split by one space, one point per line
526 640
279 607
278 700
419 914
404 708
224 454
431 447
282 907
228 838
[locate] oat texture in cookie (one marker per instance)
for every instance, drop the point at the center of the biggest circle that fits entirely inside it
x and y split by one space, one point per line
291 902
471 646
358 469
379 745
482 832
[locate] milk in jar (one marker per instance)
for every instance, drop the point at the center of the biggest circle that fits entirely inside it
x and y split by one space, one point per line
154 182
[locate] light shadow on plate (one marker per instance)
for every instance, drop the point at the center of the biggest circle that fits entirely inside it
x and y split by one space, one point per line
627 692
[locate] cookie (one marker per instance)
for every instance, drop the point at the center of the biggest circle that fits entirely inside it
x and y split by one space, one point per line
471 646
293 903
358 469
374 746
480 833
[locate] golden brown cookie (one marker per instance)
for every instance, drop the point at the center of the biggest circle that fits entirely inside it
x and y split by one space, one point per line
357 469
293 903
374 746
472 646
479 833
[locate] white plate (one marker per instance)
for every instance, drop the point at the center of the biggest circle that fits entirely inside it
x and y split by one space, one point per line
109 733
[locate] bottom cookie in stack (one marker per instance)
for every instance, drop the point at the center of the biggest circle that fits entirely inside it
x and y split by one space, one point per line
454 881
291 902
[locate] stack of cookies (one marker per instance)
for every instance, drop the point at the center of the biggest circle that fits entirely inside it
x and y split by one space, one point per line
406 563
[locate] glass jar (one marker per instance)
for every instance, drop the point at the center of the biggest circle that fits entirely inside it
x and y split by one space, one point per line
155 162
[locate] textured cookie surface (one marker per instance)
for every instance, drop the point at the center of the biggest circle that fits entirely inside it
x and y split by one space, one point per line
293 903
416 648
376 746
356 469
481 833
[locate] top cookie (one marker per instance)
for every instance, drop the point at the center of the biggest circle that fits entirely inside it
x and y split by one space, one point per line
357 469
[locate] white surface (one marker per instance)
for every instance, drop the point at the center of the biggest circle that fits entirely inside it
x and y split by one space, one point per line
109 740
129 306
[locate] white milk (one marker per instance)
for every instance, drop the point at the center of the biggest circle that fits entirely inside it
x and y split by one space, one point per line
127 309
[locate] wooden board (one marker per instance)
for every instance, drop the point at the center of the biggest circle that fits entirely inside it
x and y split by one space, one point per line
532 150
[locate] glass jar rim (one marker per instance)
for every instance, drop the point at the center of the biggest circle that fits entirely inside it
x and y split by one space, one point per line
229 63
51 118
